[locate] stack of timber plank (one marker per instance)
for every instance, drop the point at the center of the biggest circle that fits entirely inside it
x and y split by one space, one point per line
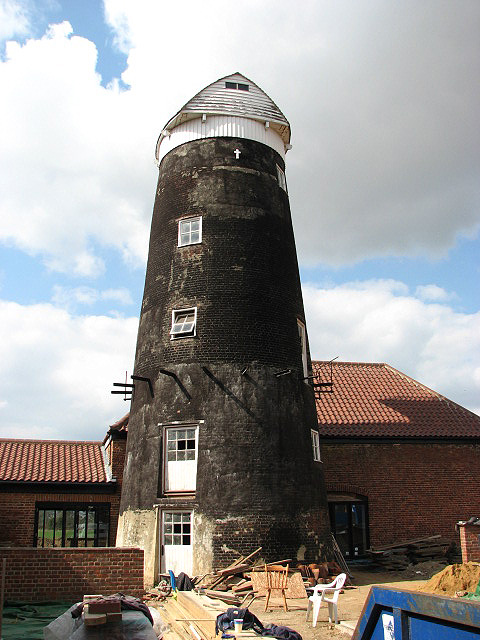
190 616
398 556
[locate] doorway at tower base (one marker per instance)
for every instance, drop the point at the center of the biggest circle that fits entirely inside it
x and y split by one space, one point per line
187 541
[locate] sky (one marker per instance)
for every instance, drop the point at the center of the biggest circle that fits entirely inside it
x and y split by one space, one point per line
383 176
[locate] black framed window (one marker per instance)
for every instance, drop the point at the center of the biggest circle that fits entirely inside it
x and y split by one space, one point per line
71 525
349 523
236 85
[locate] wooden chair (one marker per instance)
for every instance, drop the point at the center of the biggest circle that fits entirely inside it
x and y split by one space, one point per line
276 578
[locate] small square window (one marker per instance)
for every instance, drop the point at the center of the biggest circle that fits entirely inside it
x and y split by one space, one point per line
316 445
237 85
189 231
184 323
282 181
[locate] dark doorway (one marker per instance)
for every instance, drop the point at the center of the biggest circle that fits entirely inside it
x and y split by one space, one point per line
349 522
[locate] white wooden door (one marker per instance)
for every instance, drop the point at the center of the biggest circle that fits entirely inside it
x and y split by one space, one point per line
177 539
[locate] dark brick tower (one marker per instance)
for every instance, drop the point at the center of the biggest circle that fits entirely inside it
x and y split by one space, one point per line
220 460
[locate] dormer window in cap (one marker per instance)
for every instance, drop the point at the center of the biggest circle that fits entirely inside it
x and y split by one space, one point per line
236 85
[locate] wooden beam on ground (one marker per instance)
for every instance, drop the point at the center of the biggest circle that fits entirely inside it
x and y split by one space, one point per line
229 598
201 616
261 567
405 543
230 571
246 585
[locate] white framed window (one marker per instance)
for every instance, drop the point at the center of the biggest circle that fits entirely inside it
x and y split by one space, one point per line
316 445
184 323
282 181
181 444
302 332
180 458
189 231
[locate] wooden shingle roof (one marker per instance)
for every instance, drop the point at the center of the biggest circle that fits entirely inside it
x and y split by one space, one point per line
374 400
217 98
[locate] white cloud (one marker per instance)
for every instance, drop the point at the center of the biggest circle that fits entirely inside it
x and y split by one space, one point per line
433 293
75 161
383 101
70 297
378 321
57 368
57 371
14 19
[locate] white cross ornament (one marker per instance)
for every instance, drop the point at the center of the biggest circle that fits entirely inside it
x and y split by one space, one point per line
237 153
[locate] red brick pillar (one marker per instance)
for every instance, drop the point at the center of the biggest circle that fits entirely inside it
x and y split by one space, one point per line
470 542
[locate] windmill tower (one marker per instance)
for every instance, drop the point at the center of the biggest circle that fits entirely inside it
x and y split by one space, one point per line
222 453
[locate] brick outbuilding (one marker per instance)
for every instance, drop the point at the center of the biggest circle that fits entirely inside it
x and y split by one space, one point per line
61 493
400 460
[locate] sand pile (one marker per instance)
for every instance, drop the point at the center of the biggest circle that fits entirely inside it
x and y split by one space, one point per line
455 577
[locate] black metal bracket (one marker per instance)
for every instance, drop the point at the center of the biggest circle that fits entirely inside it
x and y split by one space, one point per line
143 379
285 372
173 375
126 388
129 388
320 386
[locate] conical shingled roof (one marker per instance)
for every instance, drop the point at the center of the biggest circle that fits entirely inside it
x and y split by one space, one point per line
217 98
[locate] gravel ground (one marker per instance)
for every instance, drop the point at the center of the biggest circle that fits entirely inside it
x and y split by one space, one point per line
350 605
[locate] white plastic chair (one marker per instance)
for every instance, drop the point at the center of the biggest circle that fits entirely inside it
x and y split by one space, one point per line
319 596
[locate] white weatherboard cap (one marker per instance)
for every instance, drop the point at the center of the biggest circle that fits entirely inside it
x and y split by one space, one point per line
231 106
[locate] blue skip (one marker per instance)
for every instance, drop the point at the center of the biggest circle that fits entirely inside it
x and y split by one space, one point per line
397 614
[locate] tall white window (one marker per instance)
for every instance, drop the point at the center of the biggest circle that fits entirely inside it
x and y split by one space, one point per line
184 322
189 231
180 458
316 445
303 342
282 181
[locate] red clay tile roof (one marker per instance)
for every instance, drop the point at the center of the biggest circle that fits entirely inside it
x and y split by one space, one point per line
51 461
375 400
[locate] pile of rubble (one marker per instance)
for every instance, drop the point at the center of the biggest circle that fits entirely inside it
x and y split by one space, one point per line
244 580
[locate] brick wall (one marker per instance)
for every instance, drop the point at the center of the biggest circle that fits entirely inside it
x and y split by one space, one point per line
470 542
413 489
17 513
39 575
280 537
117 462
